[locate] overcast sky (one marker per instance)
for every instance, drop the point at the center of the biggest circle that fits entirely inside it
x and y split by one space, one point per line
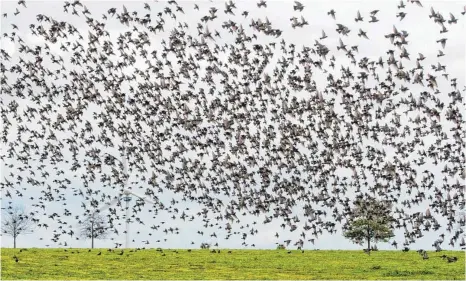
423 33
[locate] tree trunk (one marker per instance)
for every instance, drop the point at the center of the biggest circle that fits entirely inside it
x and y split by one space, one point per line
368 240
92 235
14 242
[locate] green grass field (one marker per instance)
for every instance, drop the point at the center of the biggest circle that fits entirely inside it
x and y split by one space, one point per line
240 264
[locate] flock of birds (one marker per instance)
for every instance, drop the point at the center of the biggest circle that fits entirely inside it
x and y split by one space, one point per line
235 119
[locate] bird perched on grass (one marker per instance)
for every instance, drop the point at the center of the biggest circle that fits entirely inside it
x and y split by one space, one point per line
424 256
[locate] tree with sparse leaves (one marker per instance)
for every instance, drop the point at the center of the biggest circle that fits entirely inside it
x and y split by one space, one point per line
15 222
369 221
95 227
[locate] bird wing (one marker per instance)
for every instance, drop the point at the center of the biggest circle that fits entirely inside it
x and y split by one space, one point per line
108 205
140 196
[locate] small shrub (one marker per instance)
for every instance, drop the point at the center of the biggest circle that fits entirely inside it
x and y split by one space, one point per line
281 247
205 246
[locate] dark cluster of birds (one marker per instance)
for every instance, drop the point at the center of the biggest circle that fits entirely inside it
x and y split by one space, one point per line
449 259
231 116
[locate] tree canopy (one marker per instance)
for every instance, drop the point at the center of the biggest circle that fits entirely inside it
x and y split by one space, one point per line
369 221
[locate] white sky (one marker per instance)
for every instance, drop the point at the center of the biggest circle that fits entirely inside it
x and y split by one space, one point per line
423 33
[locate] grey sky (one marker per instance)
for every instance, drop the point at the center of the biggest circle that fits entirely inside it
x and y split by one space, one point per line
423 33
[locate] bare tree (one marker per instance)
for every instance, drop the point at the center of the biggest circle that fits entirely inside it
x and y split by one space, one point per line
94 227
460 228
15 222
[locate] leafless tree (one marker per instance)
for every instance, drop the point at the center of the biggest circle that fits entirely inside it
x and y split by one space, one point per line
94 227
15 221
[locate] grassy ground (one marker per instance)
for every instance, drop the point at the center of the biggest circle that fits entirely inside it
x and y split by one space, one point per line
52 264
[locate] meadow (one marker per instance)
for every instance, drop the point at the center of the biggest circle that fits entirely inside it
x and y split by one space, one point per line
150 264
